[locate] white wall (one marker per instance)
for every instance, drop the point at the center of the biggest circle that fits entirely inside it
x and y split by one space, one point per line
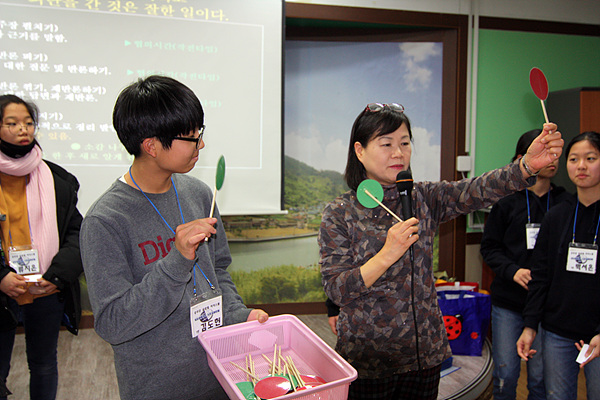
576 11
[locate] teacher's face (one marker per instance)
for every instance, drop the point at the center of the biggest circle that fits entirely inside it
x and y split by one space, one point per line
386 155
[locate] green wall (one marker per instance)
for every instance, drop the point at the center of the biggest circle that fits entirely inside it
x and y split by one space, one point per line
506 105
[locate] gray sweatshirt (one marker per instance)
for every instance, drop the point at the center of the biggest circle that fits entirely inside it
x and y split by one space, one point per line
140 287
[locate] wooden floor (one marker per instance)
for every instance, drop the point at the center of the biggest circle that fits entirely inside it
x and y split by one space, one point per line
86 369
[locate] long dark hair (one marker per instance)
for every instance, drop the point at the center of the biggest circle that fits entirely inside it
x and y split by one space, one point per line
7 99
369 125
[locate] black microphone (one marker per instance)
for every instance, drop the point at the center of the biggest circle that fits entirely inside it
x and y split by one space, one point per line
404 183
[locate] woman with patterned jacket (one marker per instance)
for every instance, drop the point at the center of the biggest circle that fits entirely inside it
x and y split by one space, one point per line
390 326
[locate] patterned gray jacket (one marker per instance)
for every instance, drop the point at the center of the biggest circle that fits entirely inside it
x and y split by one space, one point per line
395 326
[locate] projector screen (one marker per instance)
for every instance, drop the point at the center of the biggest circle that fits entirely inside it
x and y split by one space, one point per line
72 58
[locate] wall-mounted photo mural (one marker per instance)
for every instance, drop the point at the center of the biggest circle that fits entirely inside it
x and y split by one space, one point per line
327 84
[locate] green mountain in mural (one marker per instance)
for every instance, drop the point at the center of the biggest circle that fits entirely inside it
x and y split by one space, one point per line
306 187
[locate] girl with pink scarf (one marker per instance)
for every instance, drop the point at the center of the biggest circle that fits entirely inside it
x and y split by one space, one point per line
40 291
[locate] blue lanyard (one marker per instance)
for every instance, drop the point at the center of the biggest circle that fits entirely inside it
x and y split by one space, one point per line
528 212
169 226
575 224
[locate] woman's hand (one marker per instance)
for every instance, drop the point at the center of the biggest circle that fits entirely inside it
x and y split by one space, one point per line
593 349
258 315
13 285
399 239
189 235
546 148
524 344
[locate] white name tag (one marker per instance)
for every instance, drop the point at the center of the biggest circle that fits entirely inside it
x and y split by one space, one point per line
531 232
582 258
25 262
206 312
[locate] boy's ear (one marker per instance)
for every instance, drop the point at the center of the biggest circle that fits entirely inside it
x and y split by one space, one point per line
149 146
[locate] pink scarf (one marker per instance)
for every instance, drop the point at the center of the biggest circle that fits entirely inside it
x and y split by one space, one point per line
41 201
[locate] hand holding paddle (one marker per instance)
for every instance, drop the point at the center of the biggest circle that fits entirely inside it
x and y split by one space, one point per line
544 149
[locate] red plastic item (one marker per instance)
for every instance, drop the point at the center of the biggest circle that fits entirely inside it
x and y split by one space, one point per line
271 387
538 83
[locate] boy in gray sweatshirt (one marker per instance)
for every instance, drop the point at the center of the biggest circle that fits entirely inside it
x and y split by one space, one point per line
153 259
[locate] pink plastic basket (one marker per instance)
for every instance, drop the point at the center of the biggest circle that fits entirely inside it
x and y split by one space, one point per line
311 355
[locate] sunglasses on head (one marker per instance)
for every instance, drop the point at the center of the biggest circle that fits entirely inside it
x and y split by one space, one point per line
376 107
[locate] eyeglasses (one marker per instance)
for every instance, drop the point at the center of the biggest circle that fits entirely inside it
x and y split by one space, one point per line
16 128
196 140
376 107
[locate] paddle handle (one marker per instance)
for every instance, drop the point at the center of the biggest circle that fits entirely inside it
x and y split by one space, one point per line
212 208
545 113
384 207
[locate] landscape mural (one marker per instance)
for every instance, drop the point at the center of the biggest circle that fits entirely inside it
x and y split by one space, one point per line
327 84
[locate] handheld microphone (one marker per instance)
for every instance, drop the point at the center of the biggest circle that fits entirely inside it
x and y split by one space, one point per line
404 183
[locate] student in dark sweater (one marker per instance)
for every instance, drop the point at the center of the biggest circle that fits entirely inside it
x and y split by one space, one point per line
506 246
564 293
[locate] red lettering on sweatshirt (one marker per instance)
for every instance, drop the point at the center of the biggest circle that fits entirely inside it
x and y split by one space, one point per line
152 250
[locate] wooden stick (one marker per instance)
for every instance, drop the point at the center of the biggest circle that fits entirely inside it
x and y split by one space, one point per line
212 208
279 360
251 365
268 360
248 369
545 113
292 367
384 207
286 372
255 381
245 370
214 200
274 358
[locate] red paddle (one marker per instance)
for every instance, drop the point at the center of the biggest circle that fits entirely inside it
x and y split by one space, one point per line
311 381
539 84
271 387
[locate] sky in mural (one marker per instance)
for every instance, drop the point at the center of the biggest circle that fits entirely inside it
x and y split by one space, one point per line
327 84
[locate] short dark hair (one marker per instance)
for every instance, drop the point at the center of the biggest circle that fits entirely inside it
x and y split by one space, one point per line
590 136
7 99
524 142
369 125
155 106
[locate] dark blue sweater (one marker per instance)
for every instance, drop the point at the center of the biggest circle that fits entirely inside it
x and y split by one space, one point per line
565 302
504 242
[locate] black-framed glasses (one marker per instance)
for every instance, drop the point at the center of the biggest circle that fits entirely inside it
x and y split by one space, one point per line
196 140
376 107
15 127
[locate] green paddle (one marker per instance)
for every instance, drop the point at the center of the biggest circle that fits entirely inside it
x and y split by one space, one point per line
219 178
370 193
